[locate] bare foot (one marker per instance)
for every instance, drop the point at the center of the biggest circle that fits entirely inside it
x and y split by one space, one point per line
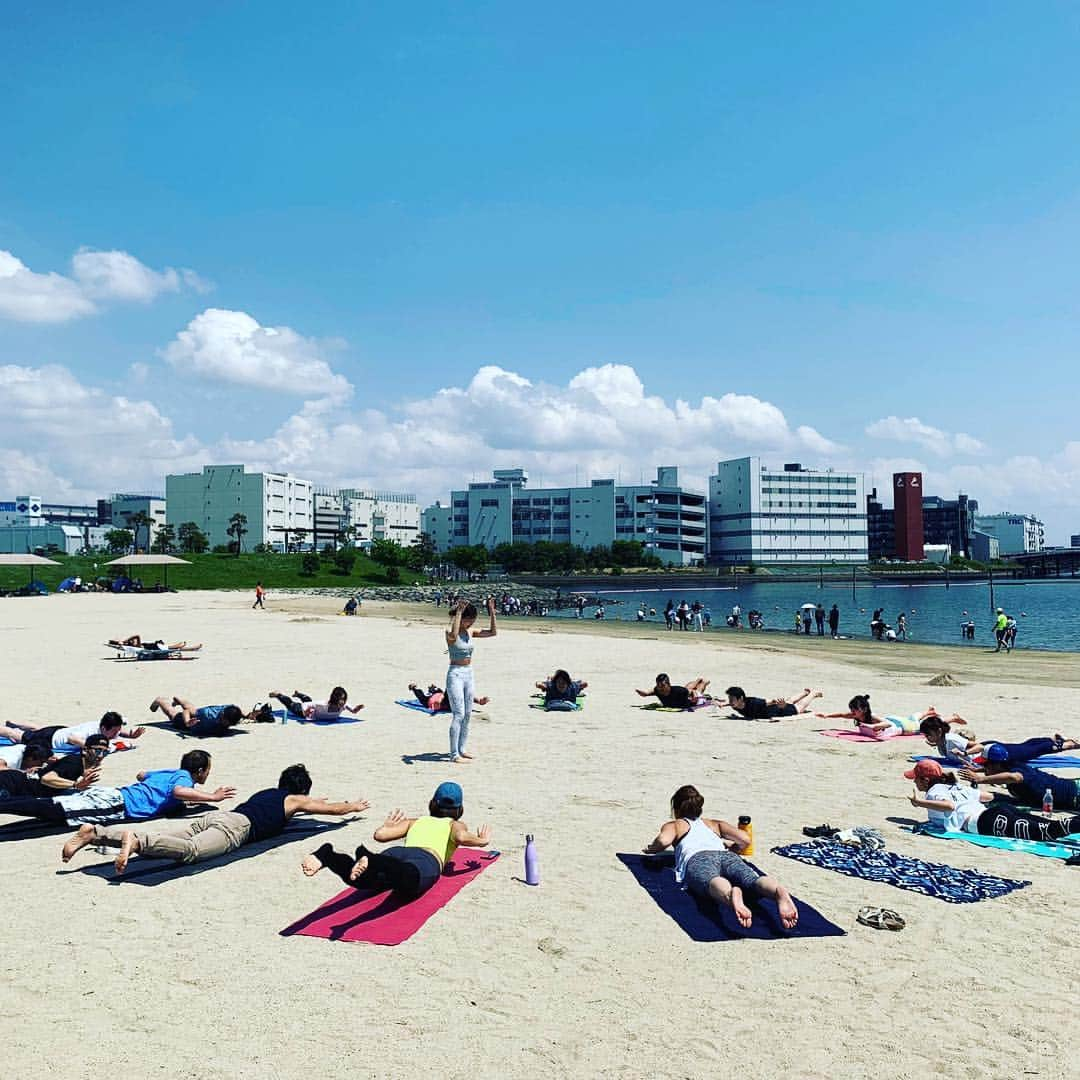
789 914
742 912
127 846
84 836
359 868
467 757
311 866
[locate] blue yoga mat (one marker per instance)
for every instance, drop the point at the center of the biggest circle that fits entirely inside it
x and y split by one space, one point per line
281 714
703 921
1049 761
1062 849
414 704
947 883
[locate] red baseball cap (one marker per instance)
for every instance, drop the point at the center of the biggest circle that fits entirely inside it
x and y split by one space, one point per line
925 770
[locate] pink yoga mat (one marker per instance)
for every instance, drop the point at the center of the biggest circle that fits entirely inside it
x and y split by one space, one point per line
378 918
857 736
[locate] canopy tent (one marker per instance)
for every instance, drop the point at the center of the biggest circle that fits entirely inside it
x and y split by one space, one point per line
27 560
164 561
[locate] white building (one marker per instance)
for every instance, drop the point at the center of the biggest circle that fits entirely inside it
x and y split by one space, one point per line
381 515
1017 534
788 515
274 503
438 523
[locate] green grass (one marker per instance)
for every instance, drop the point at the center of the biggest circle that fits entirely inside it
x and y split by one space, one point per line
214 572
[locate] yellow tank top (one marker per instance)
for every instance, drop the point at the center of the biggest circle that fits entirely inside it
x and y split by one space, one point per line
434 834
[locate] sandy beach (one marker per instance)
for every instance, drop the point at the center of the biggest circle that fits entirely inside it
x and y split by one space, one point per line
184 973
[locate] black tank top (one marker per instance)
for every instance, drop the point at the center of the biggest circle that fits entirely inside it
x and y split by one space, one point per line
266 812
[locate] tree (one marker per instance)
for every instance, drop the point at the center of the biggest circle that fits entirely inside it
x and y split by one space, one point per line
238 528
473 559
140 520
344 560
165 540
421 552
192 539
119 541
387 553
309 564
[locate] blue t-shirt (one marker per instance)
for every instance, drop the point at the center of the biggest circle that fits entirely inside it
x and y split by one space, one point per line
1066 791
154 795
208 720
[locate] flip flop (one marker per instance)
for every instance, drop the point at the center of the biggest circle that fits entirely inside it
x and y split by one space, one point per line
881 918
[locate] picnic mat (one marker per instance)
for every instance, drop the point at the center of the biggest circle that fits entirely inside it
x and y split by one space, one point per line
948 883
857 736
379 918
1048 849
704 921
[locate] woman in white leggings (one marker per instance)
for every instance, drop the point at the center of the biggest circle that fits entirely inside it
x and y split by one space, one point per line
459 679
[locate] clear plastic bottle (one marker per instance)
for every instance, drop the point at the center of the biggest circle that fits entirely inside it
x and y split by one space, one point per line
1048 801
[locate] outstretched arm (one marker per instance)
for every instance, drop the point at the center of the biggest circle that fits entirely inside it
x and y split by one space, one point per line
465 838
305 804
646 693
998 778
394 827
192 795
835 715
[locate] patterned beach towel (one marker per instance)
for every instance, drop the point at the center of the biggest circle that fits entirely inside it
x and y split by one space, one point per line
948 883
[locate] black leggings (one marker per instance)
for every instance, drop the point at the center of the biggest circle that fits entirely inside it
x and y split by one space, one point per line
294 708
28 806
407 872
425 698
1020 825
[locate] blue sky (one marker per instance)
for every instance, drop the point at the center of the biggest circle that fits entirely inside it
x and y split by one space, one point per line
409 242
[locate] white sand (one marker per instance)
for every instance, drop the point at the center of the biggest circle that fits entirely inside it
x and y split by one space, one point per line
583 976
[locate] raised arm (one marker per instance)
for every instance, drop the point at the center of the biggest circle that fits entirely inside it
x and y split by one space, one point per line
490 631
192 795
454 629
394 827
132 733
667 836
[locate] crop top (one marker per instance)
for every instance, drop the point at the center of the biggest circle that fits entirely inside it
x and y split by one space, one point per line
434 834
462 649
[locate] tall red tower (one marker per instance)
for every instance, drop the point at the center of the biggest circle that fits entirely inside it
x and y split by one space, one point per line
907 500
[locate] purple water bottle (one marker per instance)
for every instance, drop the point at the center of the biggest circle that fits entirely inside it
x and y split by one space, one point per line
532 862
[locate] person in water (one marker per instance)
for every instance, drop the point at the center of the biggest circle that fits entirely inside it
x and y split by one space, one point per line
262 816
708 863
952 807
412 868
303 708
755 708
460 686
688 696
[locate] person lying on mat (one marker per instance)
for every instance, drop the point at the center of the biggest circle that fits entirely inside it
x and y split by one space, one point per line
707 863
435 699
952 807
210 720
261 816
137 641
1026 784
951 743
412 868
878 727
163 791
560 687
678 697
56 737
755 708
46 777
303 708
22 758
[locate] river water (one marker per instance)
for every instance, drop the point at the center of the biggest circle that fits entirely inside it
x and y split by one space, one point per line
1047 612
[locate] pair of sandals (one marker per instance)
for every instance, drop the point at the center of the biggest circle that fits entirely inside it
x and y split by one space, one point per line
881 918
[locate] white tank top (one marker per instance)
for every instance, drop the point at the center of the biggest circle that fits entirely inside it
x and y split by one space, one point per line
699 837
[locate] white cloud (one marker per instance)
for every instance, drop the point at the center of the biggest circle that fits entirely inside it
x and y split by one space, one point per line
913 430
232 347
97 276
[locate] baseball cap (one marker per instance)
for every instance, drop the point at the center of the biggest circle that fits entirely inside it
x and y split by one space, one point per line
996 752
448 795
925 770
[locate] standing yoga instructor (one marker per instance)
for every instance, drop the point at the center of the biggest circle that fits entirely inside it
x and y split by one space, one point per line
460 686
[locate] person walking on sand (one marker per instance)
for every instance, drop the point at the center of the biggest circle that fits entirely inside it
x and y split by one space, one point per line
460 686
708 863
260 592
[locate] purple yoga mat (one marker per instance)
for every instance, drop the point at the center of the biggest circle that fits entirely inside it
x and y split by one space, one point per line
378 918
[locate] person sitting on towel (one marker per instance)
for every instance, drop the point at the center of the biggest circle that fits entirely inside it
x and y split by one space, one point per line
435 700
157 793
412 868
755 708
57 737
303 708
45 777
560 687
708 863
677 697
261 816
951 807
210 720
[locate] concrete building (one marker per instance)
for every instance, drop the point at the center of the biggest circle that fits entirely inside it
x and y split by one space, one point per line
123 507
1018 534
984 547
1074 540
274 503
381 515
908 516
68 539
880 528
669 521
32 512
950 521
762 515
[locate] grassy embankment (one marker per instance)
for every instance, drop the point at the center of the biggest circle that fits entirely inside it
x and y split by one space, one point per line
215 572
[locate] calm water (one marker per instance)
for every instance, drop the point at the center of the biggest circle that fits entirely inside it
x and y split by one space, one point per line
1047 612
